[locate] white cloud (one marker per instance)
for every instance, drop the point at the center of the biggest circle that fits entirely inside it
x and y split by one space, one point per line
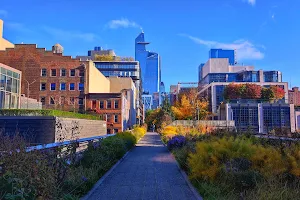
18 27
3 13
122 23
251 2
245 49
69 35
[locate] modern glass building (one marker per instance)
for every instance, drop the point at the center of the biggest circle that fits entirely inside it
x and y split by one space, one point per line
217 73
221 53
150 65
244 76
10 87
119 68
261 117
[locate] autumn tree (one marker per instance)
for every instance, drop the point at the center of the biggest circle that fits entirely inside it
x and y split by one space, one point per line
233 91
277 91
105 57
183 109
154 117
190 108
267 94
242 91
251 91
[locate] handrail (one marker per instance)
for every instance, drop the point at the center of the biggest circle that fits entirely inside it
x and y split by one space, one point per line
57 144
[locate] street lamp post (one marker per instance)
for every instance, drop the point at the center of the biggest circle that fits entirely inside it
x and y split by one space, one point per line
28 85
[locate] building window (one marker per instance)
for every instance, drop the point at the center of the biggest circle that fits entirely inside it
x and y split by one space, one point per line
116 118
116 104
53 72
44 72
108 104
101 104
81 72
72 101
80 101
52 100
72 86
108 131
108 117
63 72
80 86
43 100
72 72
52 86
62 86
94 104
43 86
115 130
62 100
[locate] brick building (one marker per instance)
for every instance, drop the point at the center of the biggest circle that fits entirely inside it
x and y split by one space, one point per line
57 81
114 108
294 96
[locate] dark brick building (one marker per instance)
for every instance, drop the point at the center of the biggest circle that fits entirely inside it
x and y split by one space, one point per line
57 81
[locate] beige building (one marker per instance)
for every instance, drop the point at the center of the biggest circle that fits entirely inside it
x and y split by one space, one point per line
112 97
96 81
3 42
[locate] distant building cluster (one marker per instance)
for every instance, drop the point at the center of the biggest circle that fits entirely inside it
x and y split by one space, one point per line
122 89
257 115
100 82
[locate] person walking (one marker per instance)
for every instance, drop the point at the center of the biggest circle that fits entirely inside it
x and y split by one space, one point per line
153 128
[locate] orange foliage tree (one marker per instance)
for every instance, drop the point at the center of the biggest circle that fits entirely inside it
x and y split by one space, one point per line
278 92
190 107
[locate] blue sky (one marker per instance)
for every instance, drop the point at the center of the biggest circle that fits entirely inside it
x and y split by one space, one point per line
265 32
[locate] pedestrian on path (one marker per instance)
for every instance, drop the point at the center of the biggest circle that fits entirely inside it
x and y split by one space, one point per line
153 128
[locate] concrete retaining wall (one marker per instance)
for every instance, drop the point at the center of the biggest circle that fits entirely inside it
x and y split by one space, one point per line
81 128
43 130
29 103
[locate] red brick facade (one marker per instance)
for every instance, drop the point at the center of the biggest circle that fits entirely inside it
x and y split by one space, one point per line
294 96
109 106
31 61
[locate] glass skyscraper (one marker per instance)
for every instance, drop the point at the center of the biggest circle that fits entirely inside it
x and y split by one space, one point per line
221 53
150 65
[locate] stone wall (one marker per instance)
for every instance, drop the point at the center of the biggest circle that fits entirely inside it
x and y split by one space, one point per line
44 130
209 123
82 128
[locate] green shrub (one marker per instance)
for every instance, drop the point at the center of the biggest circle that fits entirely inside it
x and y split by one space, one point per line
45 175
114 147
56 113
129 138
181 155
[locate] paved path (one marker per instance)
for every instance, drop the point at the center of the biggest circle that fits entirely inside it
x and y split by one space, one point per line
148 172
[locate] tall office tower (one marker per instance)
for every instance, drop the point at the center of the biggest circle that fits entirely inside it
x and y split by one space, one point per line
200 72
222 53
150 65
151 70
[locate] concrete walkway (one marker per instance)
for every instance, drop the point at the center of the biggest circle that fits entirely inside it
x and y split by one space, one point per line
148 172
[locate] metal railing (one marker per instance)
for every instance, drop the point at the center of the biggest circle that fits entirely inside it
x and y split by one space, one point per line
65 143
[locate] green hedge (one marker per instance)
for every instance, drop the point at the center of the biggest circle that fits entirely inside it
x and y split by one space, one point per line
41 175
55 113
